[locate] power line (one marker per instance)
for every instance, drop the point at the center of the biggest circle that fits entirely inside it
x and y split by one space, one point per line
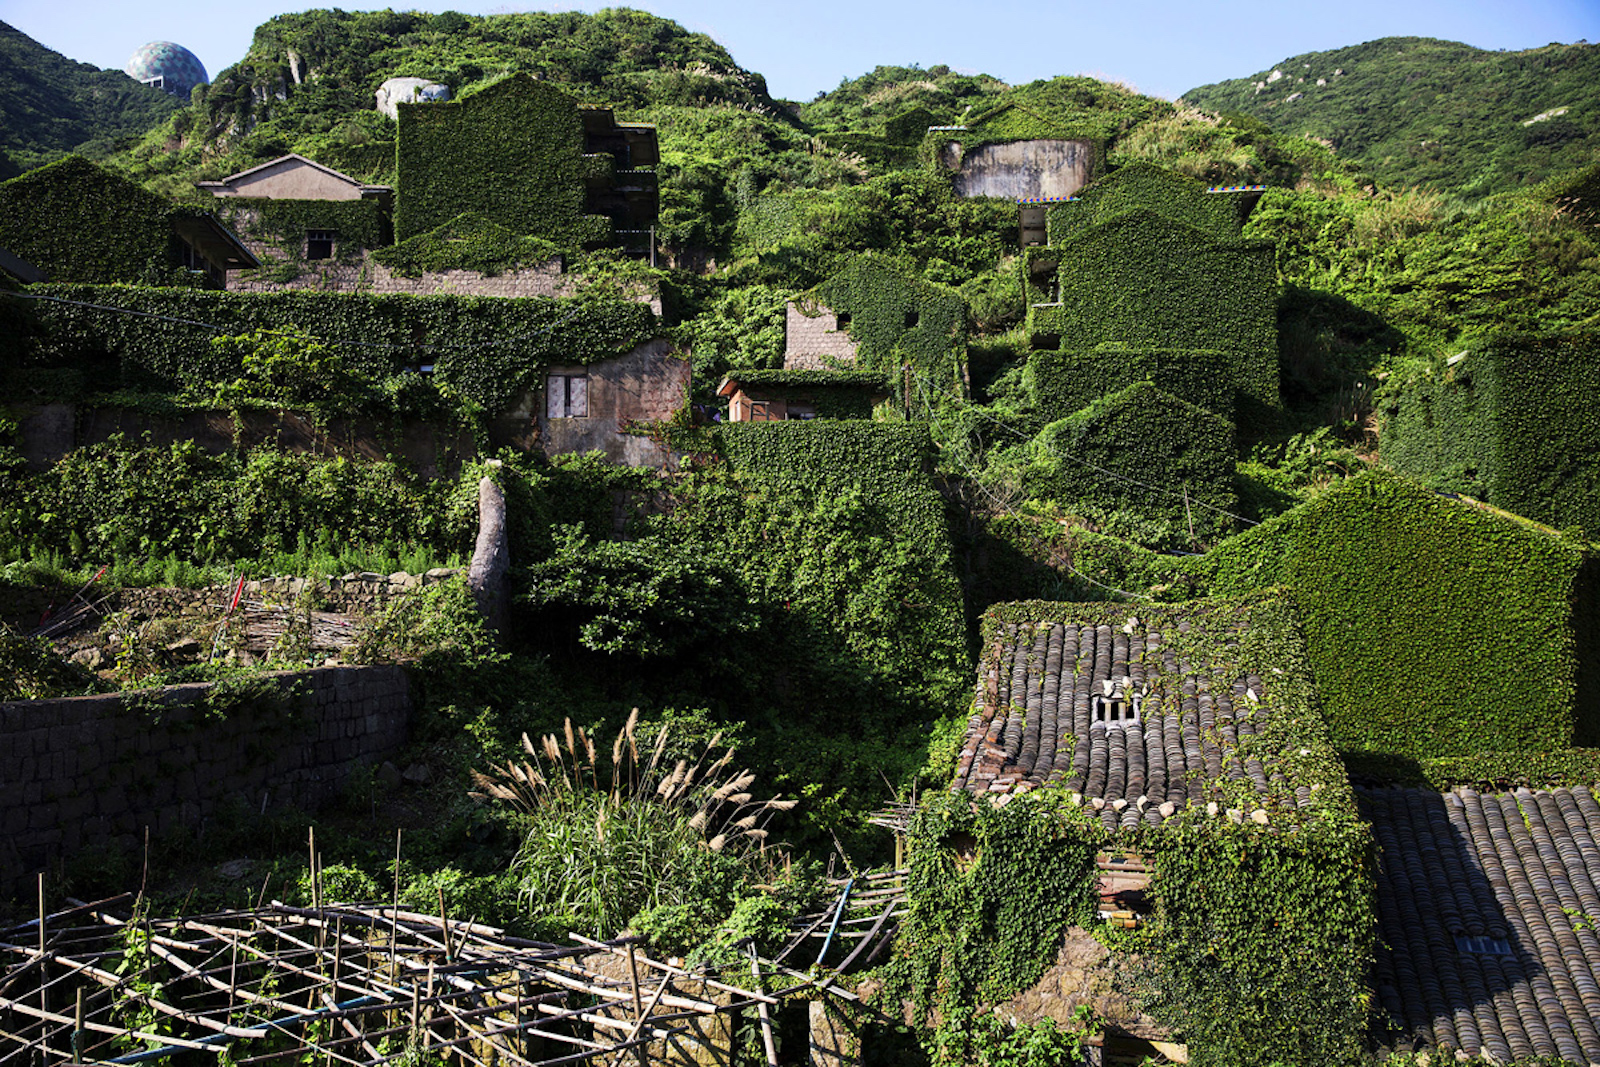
1008 509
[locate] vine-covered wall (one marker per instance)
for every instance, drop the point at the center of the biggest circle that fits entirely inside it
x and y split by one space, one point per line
1061 383
358 225
1144 438
490 351
1437 628
80 223
1146 281
1145 186
513 152
1259 948
898 319
1514 422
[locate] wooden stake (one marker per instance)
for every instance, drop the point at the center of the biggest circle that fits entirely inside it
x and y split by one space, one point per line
44 976
638 1006
77 1030
761 1009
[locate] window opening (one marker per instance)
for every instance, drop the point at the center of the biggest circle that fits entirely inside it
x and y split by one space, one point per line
842 322
1483 946
802 411
1119 710
567 396
319 244
912 318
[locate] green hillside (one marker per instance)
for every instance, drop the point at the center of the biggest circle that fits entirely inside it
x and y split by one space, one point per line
50 105
1420 111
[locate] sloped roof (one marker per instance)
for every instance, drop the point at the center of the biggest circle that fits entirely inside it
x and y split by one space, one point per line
1197 710
298 160
1457 872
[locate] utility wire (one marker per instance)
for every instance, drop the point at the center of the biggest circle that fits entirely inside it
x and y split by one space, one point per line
972 477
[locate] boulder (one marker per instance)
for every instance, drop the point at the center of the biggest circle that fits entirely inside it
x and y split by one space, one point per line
409 91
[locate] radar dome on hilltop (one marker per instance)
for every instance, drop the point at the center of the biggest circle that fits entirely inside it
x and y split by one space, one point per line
169 67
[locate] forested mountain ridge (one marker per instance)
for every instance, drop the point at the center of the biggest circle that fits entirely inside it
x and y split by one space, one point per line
1421 111
50 105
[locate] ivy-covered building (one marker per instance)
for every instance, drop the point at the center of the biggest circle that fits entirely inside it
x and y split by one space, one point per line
1162 768
78 222
1512 420
1149 259
1015 153
879 315
780 395
525 154
293 208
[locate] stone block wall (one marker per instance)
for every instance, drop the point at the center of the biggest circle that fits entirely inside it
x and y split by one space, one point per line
812 342
81 772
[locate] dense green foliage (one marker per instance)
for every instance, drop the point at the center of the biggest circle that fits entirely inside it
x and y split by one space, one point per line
1511 421
50 105
1436 628
126 499
897 321
488 351
512 152
466 242
1419 111
80 223
1144 450
1061 383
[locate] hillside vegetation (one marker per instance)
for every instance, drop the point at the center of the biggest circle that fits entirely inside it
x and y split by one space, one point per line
1419 111
50 105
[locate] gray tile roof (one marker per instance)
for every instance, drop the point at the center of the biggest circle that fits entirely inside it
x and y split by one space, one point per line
1033 721
1488 906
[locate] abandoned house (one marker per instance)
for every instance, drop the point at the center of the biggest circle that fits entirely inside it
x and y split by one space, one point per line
1487 907
604 406
777 396
78 222
1140 714
526 155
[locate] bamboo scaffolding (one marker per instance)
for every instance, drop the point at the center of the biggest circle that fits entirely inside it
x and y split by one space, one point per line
361 984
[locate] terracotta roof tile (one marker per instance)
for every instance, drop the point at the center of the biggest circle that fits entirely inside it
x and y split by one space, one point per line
1461 871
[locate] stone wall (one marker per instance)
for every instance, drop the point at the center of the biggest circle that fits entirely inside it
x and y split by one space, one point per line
94 771
812 342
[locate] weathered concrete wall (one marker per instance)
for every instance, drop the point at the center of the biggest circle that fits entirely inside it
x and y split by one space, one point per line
1021 170
87 771
649 384
1081 975
812 342
50 431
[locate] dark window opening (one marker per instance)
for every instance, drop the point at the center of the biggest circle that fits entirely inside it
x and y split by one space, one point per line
1483 946
319 244
842 322
912 318
1114 711
1046 342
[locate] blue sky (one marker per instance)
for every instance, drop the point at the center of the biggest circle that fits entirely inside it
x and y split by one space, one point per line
1160 47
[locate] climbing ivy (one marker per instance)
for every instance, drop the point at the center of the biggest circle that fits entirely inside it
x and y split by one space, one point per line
513 152
358 225
467 242
834 394
1511 420
81 223
488 351
1061 383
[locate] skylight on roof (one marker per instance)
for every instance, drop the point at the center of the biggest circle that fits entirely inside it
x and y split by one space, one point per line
1483 946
